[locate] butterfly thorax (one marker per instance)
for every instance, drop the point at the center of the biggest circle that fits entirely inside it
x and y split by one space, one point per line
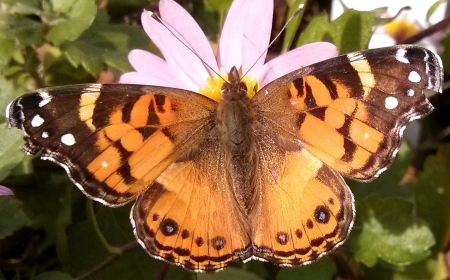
236 119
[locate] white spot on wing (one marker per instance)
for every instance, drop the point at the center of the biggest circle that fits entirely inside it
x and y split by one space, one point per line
400 56
390 102
45 98
44 134
366 135
410 92
394 153
93 88
8 109
356 56
414 77
68 139
37 121
104 164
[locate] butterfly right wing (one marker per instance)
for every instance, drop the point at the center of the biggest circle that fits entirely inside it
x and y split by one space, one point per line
113 140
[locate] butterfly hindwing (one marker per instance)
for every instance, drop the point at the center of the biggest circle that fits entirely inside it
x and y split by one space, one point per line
311 207
113 140
189 216
350 111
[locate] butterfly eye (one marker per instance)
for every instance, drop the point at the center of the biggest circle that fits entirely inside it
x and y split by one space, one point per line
242 89
226 87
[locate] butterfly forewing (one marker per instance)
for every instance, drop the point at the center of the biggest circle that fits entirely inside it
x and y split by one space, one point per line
350 111
113 140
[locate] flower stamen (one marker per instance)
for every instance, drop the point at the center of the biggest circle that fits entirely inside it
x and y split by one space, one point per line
213 88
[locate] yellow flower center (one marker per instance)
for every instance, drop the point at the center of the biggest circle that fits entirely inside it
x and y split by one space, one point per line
214 86
401 29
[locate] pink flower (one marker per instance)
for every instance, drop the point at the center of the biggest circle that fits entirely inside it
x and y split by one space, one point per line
245 36
5 191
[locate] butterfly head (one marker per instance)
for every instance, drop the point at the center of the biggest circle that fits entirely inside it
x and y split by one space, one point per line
235 88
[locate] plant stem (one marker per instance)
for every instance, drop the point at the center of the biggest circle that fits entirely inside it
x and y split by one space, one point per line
93 220
121 251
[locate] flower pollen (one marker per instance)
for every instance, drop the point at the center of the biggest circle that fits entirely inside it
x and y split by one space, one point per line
252 85
214 85
213 88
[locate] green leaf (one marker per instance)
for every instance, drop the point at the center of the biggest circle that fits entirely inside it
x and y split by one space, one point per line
433 195
120 8
350 32
218 5
64 6
45 196
103 43
387 229
12 216
388 183
293 25
25 30
434 7
7 94
229 273
423 270
23 7
6 50
11 153
323 269
62 73
86 251
53 275
446 54
317 30
79 16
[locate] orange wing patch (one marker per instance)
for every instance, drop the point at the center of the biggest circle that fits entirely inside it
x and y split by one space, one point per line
138 142
310 206
189 217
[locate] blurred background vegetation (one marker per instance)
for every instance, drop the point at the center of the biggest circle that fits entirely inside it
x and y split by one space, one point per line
50 230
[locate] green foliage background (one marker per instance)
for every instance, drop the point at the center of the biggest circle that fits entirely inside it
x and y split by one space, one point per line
49 230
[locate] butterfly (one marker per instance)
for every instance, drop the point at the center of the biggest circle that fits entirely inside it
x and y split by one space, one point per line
239 179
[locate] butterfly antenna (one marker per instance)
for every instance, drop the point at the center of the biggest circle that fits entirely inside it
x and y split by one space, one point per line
297 11
159 19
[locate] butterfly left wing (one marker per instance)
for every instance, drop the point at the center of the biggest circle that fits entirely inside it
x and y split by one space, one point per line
190 217
113 140
350 111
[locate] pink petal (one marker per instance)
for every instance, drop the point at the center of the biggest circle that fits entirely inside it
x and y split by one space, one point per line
5 191
295 59
150 70
145 79
230 46
148 63
245 35
186 65
257 29
180 20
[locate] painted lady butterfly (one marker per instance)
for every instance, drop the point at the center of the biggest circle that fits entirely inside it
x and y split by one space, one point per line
242 178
